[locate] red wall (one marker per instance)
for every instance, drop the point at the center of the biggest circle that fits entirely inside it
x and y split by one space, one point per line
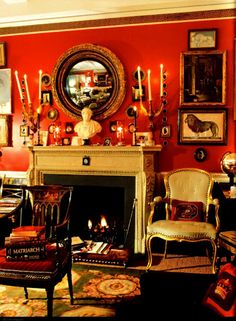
145 45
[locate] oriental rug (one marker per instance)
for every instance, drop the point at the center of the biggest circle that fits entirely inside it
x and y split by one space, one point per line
98 290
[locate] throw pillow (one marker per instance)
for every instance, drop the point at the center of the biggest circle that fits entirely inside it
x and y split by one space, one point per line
186 211
221 295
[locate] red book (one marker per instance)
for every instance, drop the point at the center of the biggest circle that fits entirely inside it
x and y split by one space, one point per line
28 231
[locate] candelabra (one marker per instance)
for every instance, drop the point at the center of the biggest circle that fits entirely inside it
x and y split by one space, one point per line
31 118
149 112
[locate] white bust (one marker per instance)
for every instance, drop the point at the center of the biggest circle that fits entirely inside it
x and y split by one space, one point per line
87 127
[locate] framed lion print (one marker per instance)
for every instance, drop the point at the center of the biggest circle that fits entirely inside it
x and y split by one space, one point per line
202 126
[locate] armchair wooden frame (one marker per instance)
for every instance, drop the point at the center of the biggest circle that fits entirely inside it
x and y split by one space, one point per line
50 205
190 185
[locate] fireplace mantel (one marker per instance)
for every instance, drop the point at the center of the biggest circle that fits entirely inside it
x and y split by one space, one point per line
140 162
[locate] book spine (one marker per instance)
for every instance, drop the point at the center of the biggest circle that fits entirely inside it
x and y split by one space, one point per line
23 242
26 257
32 251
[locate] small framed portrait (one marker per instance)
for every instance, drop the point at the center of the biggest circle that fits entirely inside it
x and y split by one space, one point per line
142 75
202 39
132 111
107 141
165 131
113 126
46 80
66 141
2 54
69 128
142 138
52 114
47 97
200 154
136 93
24 131
51 128
5 130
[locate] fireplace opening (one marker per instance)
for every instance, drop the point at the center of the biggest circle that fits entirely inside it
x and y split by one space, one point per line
101 197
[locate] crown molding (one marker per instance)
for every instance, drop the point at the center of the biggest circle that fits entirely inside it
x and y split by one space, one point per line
123 21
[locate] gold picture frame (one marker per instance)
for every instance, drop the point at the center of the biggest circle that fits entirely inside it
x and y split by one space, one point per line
202 39
142 138
5 91
203 78
5 130
198 126
2 54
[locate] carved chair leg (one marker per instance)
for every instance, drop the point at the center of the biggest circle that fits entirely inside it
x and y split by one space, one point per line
149 252
165 251
69 278
26 293
214 248
50 291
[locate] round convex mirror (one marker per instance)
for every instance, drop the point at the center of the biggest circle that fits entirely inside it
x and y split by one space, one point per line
91 76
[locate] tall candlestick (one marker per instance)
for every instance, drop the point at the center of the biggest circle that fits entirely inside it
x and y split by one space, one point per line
139 82
135 117
149 85
40 84
27 89
38 117
161 80
18 85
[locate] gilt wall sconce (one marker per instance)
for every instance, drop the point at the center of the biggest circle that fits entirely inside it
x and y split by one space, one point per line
149 111
31 117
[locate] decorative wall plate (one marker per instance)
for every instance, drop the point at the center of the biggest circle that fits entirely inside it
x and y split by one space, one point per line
46 80
200 154
52 114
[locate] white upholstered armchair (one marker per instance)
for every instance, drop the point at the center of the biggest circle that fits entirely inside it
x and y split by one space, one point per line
187 201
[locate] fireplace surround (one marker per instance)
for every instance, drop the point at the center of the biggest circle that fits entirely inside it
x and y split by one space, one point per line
105 162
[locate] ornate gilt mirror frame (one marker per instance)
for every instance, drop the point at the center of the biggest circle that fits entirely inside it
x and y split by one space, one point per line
203 78
89 75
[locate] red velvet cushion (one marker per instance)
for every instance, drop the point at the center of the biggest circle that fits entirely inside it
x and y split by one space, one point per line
186 211
48 264
221 295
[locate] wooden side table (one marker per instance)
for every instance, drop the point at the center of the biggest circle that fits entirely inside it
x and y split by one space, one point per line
227 236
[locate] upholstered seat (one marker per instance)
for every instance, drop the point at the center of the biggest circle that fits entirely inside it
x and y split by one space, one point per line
186 230
187 203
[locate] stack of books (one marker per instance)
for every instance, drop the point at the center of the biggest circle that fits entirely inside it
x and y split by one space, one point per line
26 243
7 205
89 246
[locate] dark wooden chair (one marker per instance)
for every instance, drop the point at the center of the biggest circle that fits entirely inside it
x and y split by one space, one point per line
11 202
47 206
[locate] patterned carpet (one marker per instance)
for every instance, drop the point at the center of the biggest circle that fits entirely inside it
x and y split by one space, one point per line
98 290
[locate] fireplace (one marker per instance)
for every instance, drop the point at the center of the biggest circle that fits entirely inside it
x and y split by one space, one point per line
110 197
104 166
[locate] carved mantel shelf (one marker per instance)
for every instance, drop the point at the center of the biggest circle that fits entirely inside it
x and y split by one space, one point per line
138 161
